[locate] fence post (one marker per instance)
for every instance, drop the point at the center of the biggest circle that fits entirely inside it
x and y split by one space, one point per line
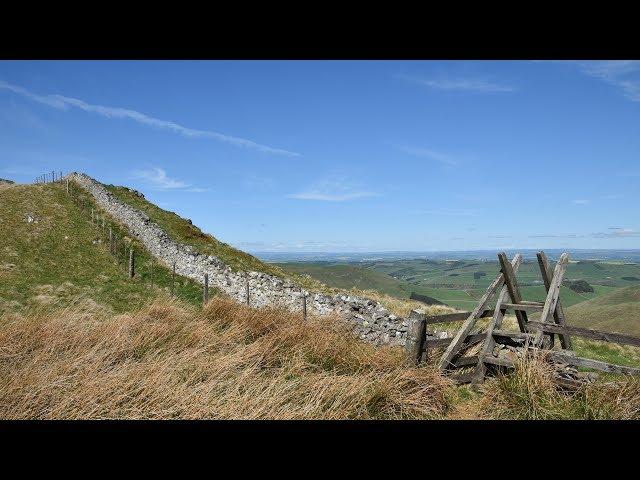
110 241
67 186
246 276
151 272
131 263
416 334
205 291
304 305
173 277
92 216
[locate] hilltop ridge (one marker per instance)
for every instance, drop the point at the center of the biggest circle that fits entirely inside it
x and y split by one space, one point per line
371 320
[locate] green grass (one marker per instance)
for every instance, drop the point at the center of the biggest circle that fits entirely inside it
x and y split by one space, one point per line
348 276
616 311
62 258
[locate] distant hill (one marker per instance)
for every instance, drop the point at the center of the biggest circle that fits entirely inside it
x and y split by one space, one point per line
617 311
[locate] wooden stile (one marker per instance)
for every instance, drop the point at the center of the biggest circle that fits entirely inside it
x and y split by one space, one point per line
458 340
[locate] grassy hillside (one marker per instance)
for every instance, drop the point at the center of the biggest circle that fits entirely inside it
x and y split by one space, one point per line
617 311
51 255
182 230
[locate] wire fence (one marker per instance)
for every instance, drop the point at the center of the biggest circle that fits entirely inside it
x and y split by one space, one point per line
136 261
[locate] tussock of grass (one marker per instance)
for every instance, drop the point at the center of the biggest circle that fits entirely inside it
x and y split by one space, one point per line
171 360
529 393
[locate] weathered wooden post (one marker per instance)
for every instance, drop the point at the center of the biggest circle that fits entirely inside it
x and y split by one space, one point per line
416 334
151 268
131 263
304 305
173 278
110 241
205 292
246 276
92 216
67 186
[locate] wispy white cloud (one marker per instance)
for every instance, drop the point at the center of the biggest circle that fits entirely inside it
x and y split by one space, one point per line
64 103
451 212
613 232
333 189
619 73
477 85
580 201
158 179
427 153
617 232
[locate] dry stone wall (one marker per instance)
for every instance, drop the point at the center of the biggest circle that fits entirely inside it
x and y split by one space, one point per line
370 320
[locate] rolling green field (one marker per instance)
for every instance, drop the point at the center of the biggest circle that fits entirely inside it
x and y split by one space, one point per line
461 283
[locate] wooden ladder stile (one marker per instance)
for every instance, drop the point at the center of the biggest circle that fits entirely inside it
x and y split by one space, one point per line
495 324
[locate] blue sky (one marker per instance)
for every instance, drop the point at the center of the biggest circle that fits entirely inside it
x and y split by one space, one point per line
346 155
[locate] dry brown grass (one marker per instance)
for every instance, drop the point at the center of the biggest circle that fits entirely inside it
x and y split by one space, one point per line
170 360
530 393
402 306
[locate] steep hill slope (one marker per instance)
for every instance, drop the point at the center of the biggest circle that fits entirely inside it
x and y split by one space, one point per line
182 231
52 255
618 311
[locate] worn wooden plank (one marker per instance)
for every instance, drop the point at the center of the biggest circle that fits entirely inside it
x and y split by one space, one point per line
443 342
586 333
508 334
502 362
496 322
553 294
558 314
465 361
595 364
414 344
525 307
457 342
205 289
450 317
512 286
